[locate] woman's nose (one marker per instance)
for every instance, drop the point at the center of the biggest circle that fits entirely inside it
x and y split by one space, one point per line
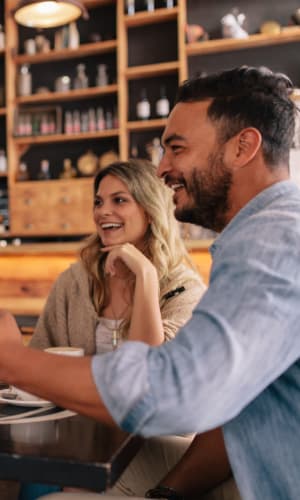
105 209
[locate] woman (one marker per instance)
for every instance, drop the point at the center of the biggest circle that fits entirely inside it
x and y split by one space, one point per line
131 272
131 282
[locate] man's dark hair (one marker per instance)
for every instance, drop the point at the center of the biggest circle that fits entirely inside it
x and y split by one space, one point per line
248 97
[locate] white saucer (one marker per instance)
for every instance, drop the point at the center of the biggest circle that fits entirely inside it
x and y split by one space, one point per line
19 401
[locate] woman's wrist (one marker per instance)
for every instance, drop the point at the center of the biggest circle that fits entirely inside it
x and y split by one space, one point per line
164 492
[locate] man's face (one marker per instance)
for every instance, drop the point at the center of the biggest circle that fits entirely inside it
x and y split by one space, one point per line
193 165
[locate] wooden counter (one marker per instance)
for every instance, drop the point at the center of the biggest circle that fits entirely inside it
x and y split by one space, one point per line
27 272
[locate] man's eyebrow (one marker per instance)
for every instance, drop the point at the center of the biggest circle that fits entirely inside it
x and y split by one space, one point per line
173 137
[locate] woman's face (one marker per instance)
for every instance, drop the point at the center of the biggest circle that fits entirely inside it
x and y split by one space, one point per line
118 217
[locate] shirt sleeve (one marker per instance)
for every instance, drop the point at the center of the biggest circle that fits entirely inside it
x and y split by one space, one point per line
242 336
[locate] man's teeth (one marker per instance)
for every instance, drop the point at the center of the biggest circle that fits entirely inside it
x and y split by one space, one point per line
110 225
177 186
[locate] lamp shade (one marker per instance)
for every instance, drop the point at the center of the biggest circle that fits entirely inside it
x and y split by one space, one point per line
48 13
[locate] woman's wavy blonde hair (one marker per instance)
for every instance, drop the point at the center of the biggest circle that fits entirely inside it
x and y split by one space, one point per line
162 245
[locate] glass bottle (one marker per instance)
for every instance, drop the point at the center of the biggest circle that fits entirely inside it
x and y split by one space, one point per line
24 124
92 120
156 151
150 5
44 124
108 119
134 152
84 122
44 172
24 81
130 7
76 121
22 173
143 106
81 80
68 125
3 162
100 119
162 105
169 4
2 38
102 77
74 37
69 172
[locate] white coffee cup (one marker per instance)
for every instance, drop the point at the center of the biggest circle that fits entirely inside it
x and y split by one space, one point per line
66 351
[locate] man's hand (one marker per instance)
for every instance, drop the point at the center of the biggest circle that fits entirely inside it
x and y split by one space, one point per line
9 331
11 343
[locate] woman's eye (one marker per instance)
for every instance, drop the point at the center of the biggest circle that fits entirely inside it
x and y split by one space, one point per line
97 203
119 200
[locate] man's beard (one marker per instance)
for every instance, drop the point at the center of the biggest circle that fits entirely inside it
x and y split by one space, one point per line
209 191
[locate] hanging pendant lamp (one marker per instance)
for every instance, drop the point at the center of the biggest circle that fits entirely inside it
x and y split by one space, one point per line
48 13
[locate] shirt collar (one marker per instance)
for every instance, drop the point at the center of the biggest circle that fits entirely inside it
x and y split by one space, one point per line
256 204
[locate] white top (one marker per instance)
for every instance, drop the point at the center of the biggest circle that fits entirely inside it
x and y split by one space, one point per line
104 334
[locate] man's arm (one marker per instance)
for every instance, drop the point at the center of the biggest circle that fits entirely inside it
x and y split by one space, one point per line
204 466
64 380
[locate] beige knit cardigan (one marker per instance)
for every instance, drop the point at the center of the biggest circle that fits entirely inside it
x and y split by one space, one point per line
70 319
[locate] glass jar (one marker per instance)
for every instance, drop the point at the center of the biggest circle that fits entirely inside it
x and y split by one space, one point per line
81 80
102 76
24 81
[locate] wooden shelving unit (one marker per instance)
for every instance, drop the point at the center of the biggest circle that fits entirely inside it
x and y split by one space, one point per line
146 124
287 35
70 95
157 16
50 139
88 49
127 73
147 70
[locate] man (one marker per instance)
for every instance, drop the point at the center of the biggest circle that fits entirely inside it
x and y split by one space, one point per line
235 364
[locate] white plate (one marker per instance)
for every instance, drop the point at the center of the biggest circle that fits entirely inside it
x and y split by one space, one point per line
27 402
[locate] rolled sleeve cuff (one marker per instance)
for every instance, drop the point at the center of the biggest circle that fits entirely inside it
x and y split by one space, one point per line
121 378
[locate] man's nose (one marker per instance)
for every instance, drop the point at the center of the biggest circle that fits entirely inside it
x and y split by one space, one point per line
163 167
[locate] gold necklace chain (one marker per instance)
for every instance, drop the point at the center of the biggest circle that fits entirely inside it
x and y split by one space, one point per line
116 329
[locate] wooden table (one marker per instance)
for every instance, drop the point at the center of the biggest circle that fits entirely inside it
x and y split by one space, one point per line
74 451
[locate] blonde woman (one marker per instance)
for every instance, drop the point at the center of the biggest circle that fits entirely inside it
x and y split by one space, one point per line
131 282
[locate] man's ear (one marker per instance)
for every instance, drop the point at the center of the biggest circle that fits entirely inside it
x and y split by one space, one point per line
243 147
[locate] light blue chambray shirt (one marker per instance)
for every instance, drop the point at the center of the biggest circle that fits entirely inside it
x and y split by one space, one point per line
235 363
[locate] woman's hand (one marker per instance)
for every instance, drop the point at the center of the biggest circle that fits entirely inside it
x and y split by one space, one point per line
145 322
133 258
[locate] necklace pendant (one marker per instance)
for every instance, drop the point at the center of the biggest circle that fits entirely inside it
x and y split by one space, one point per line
115 339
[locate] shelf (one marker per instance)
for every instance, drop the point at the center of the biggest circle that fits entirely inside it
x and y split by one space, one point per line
149 70
198 244
146 124
91 4
87 49
287 35
2 52
3 174
4 234
2 111
67 248
157 16
47 139
69 95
